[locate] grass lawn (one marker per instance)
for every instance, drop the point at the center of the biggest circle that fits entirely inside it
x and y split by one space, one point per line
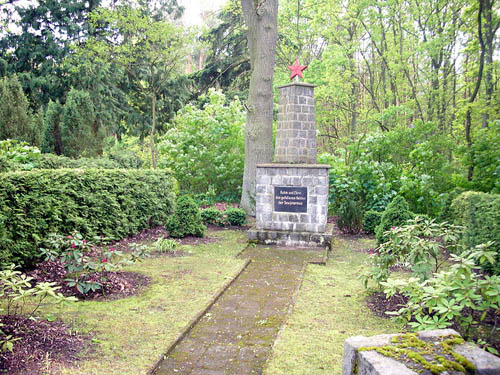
329 308
130 334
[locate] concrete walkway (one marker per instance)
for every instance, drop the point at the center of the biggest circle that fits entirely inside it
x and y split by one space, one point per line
236 335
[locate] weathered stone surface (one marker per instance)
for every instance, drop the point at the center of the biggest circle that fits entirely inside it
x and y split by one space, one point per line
351 346
296 131
312 177
374 363
288 234
485 363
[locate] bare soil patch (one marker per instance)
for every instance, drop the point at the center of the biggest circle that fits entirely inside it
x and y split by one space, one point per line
116 285
380 305
41 342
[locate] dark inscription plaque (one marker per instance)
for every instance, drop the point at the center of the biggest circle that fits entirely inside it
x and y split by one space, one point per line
290 199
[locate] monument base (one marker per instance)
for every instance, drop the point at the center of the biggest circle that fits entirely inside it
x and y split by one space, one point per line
291 238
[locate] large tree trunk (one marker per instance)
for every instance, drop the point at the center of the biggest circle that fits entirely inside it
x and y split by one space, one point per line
261 18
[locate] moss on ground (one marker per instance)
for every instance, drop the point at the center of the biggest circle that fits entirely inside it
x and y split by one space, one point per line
329 308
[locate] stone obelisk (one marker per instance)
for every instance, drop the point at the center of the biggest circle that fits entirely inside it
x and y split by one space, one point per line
292 192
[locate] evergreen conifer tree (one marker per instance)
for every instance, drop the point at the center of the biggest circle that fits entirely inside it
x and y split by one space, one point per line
80 134
51 138
15 120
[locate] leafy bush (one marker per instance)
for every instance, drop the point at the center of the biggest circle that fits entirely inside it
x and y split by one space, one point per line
114 203
186 219
205 147
17 155
371 220
211 215
350 216
479 214
16 288
235 216
440 301
485 153
419 245
396 214
207 198
73 252
165 245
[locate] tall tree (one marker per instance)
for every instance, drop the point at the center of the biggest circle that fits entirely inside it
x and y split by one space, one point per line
150 51
40 42
15 118
261 18
227 64
80 134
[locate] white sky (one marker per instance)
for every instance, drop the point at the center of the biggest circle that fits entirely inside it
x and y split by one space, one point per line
195 7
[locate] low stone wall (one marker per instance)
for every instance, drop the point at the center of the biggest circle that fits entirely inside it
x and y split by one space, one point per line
362 358
312 177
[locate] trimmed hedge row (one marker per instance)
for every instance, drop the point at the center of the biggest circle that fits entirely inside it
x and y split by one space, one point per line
113 203
479 213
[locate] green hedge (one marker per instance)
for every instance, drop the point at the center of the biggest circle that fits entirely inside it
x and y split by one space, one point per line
479 213
51 161
113 203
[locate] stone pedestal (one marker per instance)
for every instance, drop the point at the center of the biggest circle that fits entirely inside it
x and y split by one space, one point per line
292 193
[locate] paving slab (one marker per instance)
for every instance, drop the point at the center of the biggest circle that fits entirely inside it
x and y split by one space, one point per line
235 336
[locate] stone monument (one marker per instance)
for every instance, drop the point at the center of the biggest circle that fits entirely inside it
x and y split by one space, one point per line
292 192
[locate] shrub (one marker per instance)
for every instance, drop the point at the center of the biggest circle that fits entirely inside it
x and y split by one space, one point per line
114 203
17 155
235 216
166 245
446 213
16 288
186 219
211 215
350 216
479 214
371 220
73 251
205 147
51 161
449 296
419 245
396 214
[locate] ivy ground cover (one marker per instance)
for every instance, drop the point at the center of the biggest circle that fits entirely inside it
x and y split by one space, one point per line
129 335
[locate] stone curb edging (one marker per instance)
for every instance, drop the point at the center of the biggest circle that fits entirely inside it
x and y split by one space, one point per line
292 302
198 316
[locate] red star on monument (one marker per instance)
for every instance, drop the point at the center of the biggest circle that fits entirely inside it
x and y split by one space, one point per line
297 69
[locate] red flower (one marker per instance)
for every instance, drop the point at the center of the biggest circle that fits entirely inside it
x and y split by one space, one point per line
105 260
73 246
69 237
393 228
84 241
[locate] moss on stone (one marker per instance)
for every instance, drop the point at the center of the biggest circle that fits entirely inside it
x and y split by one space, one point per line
410 347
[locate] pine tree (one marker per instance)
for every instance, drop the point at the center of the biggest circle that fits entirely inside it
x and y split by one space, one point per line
15 120
79 131
51 139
